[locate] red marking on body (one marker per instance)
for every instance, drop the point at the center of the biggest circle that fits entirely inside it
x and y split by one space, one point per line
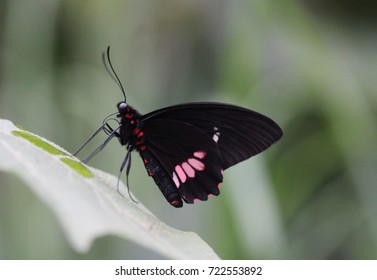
140 142
150 173
196 164
132 121
142 148
181 173
199 154
188 170
145 161
129 116
135 131
140 134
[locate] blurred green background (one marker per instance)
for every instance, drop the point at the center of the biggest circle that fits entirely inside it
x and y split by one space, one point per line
309 65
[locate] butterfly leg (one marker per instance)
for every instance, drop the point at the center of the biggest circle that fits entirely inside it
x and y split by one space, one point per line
98 130
109 130
104 127
126 163
100 147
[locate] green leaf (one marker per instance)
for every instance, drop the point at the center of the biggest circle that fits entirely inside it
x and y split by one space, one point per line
85 200
78 166
38 142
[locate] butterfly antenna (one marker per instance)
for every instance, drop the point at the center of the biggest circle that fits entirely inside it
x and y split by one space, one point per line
112 73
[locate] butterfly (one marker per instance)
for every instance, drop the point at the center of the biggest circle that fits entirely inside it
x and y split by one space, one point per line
186 148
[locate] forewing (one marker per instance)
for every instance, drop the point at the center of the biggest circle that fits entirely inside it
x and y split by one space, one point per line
239 132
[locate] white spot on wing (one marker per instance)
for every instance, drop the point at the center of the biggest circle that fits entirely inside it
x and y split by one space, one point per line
216 135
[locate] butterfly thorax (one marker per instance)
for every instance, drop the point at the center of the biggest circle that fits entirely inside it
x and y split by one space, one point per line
129 131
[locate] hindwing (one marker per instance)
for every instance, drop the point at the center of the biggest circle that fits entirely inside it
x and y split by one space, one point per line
190 157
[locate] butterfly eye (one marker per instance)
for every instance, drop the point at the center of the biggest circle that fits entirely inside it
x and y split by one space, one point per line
122 107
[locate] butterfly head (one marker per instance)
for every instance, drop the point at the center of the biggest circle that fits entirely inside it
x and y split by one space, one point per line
122 108
126 122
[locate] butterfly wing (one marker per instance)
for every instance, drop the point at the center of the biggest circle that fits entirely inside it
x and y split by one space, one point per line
240 133
189 156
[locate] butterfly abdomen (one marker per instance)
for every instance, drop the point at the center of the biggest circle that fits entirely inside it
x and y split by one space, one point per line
162 179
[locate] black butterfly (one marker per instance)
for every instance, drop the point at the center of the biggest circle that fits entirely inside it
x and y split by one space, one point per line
185 148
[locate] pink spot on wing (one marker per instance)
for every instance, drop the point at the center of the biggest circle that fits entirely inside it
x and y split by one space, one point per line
175 179
199 154
218 185
196 164
196 199
181 173
210 195
188 169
